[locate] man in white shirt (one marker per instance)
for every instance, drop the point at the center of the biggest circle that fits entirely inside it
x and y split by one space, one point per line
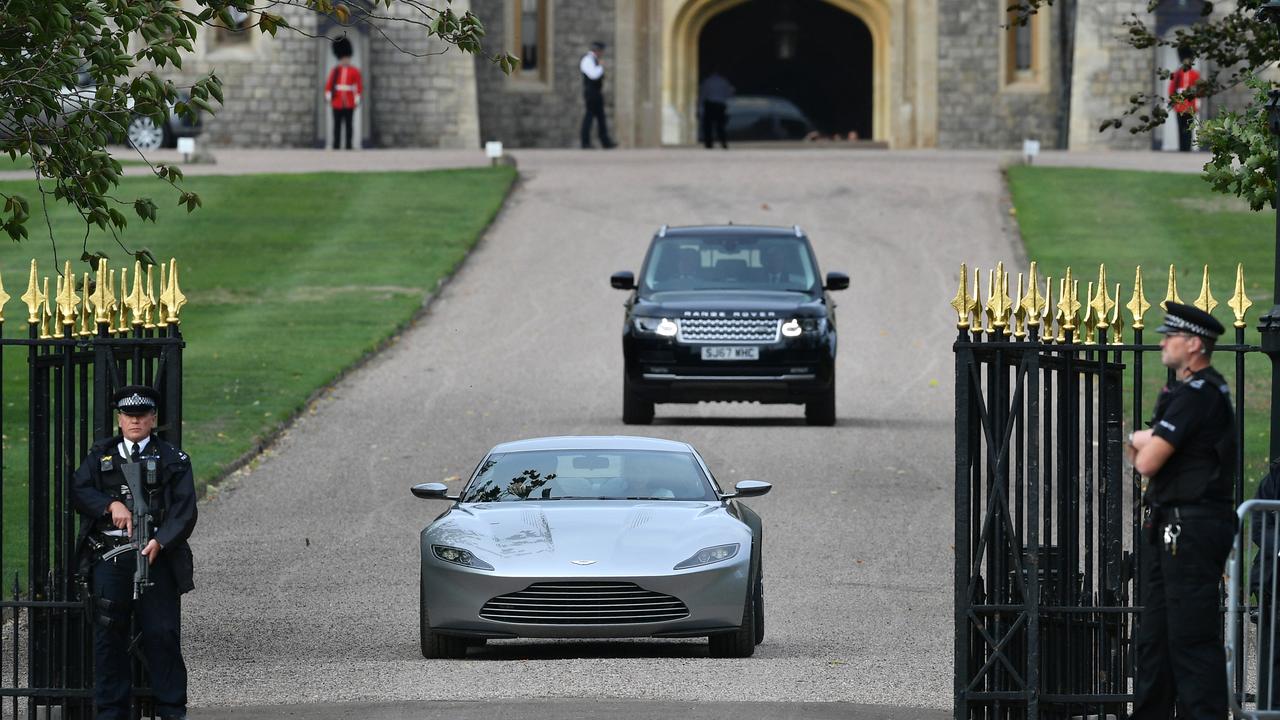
593 95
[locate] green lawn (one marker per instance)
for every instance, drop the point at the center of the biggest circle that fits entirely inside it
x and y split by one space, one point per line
1083 217
20 163
290 279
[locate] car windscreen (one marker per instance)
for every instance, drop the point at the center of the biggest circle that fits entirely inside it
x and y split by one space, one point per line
588 475
729 263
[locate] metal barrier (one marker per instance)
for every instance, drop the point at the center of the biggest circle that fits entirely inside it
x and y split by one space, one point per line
1253 597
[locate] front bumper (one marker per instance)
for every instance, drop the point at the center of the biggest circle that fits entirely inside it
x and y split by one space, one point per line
788 371
714 595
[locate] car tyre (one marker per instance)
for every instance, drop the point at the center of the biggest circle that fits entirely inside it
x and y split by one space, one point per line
759 607
635 409
738 643
143 134
822 409
435 645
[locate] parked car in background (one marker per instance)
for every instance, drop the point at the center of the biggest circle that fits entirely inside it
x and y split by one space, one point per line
765 117
142 132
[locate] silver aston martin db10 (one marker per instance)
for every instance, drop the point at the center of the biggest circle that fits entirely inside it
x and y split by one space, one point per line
592 537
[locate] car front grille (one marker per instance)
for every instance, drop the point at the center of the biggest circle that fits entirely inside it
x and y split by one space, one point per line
583 603
727 330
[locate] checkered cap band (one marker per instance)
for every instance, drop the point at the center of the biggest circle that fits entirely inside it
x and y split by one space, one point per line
1173 323
135 401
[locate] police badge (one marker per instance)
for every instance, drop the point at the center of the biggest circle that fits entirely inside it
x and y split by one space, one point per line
106 463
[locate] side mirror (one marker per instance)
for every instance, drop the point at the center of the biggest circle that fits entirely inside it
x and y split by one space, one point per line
623 280
432 491
748 488
837 281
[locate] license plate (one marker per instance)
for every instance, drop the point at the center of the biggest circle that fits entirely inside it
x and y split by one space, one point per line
730 352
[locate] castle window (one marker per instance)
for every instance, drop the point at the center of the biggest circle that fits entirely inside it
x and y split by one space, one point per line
1024 55
237 33
531 38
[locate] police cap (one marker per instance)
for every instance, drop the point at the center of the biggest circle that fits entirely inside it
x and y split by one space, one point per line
136 400
1181 318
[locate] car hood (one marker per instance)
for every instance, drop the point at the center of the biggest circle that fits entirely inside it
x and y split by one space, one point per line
678 303
620 537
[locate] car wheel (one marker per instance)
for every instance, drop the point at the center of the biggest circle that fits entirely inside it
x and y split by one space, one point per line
144 134
739 643
433 644
822 409
635 409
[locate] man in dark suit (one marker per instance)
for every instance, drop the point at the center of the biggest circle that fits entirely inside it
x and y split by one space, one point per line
593 95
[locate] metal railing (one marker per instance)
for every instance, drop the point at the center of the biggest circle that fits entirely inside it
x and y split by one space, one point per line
1253 597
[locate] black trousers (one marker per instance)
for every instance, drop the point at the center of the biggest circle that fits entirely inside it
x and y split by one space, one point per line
1184 132
595 110
714 120
158 615
342 126
1268 655
1179 645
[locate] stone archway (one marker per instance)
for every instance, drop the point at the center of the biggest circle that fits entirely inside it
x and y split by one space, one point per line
680 84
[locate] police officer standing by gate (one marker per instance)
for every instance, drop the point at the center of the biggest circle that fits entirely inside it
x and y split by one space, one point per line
1188 458
105 499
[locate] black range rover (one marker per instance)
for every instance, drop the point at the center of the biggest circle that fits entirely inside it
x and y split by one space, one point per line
729 313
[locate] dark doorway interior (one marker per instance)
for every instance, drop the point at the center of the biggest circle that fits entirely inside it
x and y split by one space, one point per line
808 51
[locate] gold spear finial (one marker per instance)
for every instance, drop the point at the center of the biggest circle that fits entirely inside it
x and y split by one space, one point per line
85 324
164 284
136 299
149 302
960 302
1117 327
67 298
1090 318
32 297
1069 301
1172 294
1103 303
1206 302
1019 313
1238 302
175 299
1032 302
998 304
123 326
101 313
1138 305
46 312
1047 312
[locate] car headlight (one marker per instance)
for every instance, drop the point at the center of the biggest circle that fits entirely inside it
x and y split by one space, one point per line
458 556
795 327
666 327
708 555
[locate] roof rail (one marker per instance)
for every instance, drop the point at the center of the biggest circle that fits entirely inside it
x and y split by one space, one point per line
799 232
662 231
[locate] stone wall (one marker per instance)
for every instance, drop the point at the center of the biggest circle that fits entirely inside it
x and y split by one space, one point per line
1106 72
976 109
530 112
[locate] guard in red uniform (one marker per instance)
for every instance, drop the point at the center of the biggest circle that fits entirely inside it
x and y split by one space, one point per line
343 90
1182 81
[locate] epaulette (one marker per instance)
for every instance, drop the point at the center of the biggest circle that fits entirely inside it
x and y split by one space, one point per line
1197 383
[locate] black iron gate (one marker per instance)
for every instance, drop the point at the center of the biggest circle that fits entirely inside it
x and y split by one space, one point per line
82 343
1045 564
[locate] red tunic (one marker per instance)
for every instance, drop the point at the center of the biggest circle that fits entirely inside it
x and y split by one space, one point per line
1179 82
344 87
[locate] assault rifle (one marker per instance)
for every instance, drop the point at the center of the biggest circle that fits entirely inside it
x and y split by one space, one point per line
141 483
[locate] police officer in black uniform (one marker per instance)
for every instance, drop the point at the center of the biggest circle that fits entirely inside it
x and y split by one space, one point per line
103 498
1188 458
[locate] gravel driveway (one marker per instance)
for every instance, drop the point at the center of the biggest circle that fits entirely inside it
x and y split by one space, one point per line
307 563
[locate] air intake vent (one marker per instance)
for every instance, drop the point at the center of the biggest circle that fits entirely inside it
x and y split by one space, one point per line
583 603
729 330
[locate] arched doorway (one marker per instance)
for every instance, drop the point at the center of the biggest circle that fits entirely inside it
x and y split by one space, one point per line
818 56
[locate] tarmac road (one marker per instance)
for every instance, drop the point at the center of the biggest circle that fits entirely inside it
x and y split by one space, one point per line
306 565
